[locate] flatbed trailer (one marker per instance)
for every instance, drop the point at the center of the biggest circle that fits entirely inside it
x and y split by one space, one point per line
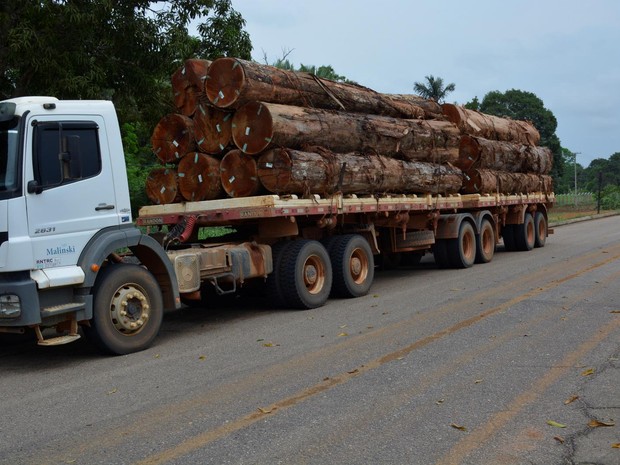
307 248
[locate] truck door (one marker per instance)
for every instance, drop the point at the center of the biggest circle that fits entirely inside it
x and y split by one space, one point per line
70 191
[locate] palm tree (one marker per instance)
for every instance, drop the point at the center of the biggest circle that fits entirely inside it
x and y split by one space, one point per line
433 88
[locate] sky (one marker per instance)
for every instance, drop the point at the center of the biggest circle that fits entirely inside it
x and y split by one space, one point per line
567 52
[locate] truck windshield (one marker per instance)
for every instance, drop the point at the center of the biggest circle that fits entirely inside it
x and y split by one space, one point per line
9 156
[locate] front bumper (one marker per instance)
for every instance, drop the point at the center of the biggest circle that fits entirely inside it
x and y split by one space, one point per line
24 309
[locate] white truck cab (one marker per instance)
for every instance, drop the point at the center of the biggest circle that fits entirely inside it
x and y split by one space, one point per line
64 213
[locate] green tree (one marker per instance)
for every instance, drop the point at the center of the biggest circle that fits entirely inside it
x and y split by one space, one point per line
433 88
522 105
324 72
107 49
473 104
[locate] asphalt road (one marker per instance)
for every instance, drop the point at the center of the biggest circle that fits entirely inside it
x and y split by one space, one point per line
505 363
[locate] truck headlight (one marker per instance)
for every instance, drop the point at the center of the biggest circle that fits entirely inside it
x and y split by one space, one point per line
10 307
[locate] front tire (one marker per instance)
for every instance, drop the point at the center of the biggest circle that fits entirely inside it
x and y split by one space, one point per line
127 310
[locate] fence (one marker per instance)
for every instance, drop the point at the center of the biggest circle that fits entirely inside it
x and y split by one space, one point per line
580 199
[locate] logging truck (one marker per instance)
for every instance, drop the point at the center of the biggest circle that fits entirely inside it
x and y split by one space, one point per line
73 260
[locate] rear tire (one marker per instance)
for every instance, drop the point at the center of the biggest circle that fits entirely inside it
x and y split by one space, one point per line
485 242
127 310
353 266
440 253
305 275
508 235
462 250
273 289
525 235
540 227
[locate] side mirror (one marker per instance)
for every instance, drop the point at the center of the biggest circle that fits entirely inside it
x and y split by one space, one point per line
34 187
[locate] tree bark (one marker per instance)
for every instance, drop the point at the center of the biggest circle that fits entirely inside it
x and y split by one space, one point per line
173 137
432 110
476 152
484 181
239 174
199 177
287 171
233 82
212 129
258 126
188 85
478 124
162 186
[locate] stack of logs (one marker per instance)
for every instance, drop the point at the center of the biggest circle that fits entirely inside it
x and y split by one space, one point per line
243 129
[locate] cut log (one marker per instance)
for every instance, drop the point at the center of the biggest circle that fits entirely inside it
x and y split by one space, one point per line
478 124
432 110
188 85
239 174
320 171
212 129
484 181
162 186
233 82
258 126
476 152
199 177
173 137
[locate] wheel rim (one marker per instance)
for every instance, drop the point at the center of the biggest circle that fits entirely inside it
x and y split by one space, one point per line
358 266
488 241
542 229
129 309
469 245
531 237
314 274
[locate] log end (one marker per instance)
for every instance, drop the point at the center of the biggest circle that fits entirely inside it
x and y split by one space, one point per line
199 177
173 137
239 174
161 186
212 129
196 71
274 170
469 152
224 82
472 183
252 128
452 113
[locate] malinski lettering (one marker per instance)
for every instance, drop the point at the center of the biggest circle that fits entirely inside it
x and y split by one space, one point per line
61 250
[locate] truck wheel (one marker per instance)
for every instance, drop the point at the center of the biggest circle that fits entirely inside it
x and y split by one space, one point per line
508 235
540 227
353 266
440 253
272 285
525 235
127 309
462 250
305 275
485 242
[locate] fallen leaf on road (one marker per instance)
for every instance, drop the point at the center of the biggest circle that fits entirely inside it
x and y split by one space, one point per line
268 344
157 356
375 295
266 410
597 423
459 427
478 381
113 391
555 424
352 372
615 311
440 401
560 439
571 399
343 334
202 357
588 372
616 445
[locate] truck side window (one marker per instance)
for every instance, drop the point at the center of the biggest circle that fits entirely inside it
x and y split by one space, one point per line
65 152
